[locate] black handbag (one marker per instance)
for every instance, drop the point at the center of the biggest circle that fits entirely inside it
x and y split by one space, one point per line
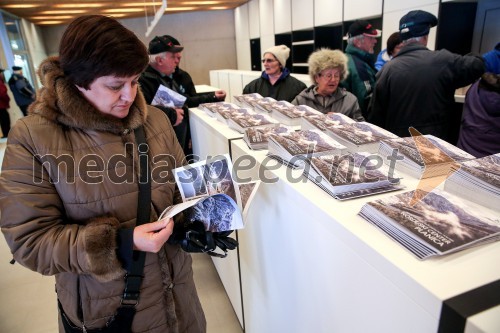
121 322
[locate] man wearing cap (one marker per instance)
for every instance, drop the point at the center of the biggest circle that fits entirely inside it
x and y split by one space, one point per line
162 64
186 84
4 105
24 94
416 88
361 39
275 80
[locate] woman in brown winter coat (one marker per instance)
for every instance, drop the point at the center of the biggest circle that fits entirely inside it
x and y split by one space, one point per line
69 186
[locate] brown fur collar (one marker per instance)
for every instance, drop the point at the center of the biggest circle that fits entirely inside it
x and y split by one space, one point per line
60 101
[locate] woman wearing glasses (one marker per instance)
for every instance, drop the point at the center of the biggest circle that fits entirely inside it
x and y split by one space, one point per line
276 81
326 69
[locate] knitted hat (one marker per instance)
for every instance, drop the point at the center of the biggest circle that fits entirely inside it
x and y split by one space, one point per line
281 52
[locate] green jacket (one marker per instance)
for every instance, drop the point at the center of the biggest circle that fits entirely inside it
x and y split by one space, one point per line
361 78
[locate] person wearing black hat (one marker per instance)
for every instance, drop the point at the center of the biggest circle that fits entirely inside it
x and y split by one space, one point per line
162 64
417 87
361 39
186 84
4 105
24 93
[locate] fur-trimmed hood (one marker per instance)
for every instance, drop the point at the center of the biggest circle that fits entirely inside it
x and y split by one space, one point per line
61 102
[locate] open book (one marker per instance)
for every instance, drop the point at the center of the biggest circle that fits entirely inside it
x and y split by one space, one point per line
209 194
168 98
438 224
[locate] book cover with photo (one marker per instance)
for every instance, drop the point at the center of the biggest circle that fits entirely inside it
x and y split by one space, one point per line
352 174
247 192
212 108
166 97
224 114
241 122
258 138
359 136
323 121
438 224
434 151
261 105
477 180
295 147
289 114
245 100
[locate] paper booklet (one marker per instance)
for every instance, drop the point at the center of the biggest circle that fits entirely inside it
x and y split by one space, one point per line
289 114
436 157
261 105
258 138
351 175
295 147
209 194
240 122
439 224
212 109
322 121
245 100
247 192
359 136
166 97
478 180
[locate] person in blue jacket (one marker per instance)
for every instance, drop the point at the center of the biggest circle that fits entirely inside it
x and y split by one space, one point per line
492 60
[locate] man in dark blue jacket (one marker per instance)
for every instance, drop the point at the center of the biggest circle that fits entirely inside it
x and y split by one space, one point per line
417 87
24 93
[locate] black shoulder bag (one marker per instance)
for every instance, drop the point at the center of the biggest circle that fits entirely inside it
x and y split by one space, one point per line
121 322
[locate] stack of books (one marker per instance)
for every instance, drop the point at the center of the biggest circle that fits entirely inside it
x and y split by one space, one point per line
433 155
241 122
289 114
246 100
224 114
359 136
261 105
323 121
293 149
351 175
212 109
478 180
257 138
439 223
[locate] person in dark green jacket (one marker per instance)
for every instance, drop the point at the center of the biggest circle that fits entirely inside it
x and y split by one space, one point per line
361 39
276 81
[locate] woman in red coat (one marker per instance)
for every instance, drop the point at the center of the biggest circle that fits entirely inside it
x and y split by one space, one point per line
4 105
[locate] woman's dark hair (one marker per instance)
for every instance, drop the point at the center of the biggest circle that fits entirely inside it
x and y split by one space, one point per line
393 41
94 45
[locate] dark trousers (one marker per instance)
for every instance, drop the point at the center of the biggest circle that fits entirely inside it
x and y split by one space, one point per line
24 109
4 122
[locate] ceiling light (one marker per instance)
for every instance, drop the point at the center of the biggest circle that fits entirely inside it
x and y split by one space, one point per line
201 2
59 17
50 22
21 6
173 9
78 5
139 4
123 10
219 7
56 12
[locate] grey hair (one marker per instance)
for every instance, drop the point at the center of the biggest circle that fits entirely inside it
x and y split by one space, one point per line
327 59
152 57
351 40
413 40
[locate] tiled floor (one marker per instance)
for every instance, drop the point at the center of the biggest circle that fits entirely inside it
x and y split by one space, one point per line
28 299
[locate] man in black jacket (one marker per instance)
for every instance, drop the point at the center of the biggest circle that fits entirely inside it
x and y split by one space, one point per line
417 87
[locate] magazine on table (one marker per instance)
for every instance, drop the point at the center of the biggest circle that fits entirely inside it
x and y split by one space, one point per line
247 192
477 180
258 138
359 136
241 122
166 97
209 194
292 149
438 224
433 155
351 175
245 100
323 121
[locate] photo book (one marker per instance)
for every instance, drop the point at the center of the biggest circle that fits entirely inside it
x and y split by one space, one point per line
212 109
289 114
438 224
209 194
293 149
261 105
247 192
246 100
351 175
241 122
258 138
478 180
323 121
166 97
359 136
433 155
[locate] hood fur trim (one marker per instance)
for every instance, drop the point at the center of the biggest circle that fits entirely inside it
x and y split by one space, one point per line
61 102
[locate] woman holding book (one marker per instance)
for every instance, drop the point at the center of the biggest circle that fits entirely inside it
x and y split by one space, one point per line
326 69
78 222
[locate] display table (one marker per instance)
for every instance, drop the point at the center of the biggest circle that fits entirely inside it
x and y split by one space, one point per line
309 263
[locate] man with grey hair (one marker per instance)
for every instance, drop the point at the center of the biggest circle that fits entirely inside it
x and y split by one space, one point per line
361 39
417 87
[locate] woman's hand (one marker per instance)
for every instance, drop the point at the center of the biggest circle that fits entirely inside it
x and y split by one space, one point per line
150 237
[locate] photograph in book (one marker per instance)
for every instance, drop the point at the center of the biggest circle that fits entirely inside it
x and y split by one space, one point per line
360 136
224 114
351 173
218 212
208 177
262 104
440 223
289 114
212 108
258 138
247 192
307 142
323 121
246 100
486 169
240 122
166 97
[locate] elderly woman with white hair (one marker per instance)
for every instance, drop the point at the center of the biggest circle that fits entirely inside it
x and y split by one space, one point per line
326 69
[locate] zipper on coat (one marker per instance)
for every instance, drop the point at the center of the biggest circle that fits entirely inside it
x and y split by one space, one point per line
80 305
